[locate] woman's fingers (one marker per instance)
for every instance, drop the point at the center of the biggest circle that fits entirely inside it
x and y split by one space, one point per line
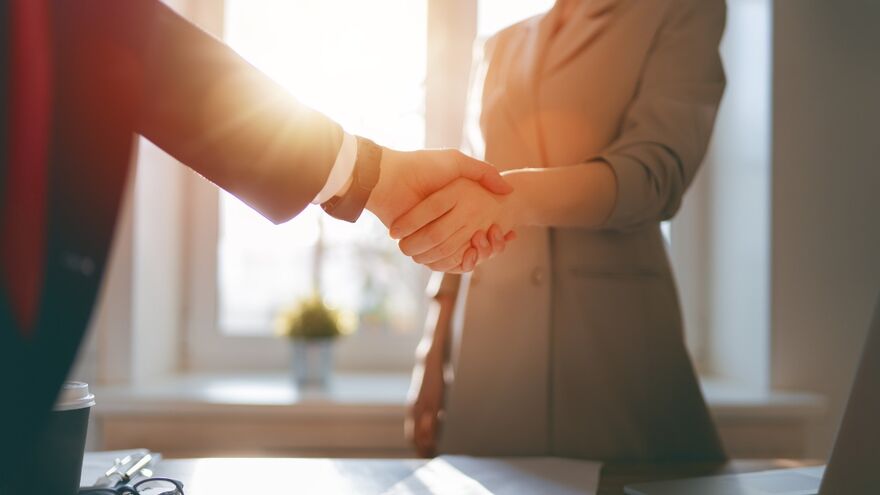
474 253
453 262
432 236
452 245
483 247
470 260
430 209
496 239
480 242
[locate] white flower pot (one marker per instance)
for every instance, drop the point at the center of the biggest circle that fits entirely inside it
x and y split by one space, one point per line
311 361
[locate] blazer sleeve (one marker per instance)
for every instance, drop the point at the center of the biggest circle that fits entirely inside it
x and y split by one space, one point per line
214 112
667 127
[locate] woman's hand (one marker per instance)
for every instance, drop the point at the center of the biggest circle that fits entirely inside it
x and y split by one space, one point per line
484 246
462 209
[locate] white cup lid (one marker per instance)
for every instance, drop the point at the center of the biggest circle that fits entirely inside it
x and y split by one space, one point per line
74 395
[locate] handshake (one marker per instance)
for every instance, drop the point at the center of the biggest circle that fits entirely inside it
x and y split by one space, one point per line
449 211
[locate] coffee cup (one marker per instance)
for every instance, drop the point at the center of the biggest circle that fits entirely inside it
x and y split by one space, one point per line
58 453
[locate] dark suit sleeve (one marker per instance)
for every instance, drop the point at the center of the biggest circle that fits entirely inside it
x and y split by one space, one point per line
214 112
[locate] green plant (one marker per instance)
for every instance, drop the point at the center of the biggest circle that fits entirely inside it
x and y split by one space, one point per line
311 319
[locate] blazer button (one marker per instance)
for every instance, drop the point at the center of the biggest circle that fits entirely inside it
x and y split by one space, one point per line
537 276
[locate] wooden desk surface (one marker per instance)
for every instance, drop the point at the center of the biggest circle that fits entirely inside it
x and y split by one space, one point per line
281 476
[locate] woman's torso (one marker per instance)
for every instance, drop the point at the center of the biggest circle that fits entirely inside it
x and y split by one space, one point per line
570 343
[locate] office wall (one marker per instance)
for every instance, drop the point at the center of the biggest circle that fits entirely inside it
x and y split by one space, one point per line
825 195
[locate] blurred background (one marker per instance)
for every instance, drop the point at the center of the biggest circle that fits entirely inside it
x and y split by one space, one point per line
775 250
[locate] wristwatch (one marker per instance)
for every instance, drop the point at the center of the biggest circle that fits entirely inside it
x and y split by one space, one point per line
364 178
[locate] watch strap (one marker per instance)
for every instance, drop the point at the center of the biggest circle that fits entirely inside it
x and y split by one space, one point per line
364 178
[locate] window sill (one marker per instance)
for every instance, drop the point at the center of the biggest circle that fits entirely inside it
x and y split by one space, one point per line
370 394
729 400
361 415
379 394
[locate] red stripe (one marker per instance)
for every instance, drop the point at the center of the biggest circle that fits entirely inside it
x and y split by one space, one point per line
24 206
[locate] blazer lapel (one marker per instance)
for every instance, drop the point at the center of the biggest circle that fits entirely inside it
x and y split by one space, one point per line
88 164
590 19
522 83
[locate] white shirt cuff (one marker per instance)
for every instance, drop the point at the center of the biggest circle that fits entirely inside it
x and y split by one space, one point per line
341 171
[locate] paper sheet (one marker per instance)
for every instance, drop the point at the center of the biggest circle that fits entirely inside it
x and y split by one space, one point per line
462 475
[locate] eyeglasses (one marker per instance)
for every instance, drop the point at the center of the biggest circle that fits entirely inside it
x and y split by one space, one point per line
149 486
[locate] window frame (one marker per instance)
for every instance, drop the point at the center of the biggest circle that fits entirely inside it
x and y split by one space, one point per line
452 31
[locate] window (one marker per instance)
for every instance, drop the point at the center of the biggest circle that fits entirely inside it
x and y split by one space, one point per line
495 15
346 59
364 64
375 68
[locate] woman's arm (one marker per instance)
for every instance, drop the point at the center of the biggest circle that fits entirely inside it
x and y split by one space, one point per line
638 179
577 196
202 103
582 195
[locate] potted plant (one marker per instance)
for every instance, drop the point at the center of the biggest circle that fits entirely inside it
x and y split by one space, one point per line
312 328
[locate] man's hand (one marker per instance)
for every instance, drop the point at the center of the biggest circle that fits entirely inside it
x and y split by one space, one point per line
442 241
407 178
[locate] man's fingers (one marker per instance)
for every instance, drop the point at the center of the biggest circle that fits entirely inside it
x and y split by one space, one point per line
431 208
480 171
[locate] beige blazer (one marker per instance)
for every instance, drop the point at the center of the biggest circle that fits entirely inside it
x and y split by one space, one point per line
571 342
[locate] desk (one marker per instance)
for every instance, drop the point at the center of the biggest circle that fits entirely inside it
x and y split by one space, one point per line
257 476
617 475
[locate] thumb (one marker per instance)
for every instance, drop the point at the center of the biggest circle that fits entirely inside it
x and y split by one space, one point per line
480 171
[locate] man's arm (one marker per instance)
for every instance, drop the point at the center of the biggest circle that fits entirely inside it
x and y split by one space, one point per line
206 106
